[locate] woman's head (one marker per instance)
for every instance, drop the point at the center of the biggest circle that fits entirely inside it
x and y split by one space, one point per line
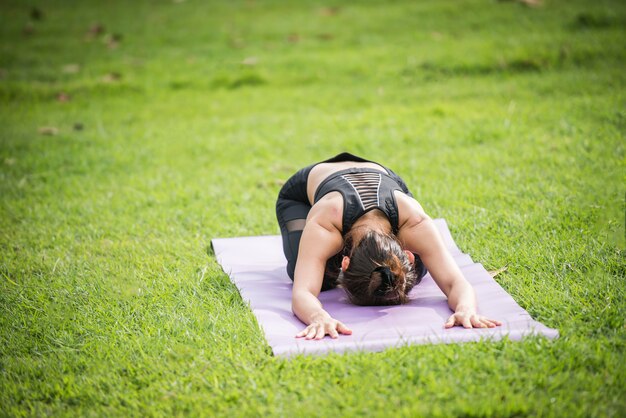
377 271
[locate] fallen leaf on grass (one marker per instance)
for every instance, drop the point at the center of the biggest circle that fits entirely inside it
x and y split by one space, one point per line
437 36
71 68
63 97
112 40
28 29
48 130
250 61
329 11
236 43
94 31
325 36
111 77
270 183
494 273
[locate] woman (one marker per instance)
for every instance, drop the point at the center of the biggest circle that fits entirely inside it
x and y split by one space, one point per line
352 222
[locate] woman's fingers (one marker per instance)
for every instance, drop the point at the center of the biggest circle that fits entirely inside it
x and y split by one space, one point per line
333 333
321 332
343 329
466 322
476 322
492 322
304 332
312 332
471 321
488 323
318 331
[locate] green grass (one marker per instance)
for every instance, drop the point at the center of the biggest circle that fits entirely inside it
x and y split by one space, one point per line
506 120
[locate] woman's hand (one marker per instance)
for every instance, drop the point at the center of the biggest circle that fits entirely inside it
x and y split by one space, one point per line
470 319
322 325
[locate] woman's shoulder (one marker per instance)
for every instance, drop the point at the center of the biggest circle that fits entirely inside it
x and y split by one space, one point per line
328 211
410 212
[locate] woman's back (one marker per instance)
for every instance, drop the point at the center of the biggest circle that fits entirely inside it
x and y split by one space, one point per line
321 171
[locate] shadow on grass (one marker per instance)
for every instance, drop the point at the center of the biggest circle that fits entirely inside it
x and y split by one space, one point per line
586 21
222 81
563 57
246 79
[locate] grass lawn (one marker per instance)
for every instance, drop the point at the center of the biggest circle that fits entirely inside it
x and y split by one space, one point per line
133 132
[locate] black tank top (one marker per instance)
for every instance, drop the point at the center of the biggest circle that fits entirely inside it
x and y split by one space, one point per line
363 189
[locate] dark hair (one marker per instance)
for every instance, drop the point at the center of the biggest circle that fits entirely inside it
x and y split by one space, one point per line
379 273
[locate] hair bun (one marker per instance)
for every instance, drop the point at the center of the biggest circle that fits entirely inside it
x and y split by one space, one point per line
387 280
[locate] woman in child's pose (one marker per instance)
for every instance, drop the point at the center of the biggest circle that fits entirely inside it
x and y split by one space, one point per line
352 222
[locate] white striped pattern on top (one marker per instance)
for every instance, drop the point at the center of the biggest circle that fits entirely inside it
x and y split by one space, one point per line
367 187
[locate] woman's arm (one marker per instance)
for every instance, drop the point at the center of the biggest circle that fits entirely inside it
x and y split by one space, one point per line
420 235
320 240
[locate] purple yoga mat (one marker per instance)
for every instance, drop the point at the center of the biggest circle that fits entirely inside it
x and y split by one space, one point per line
256 265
